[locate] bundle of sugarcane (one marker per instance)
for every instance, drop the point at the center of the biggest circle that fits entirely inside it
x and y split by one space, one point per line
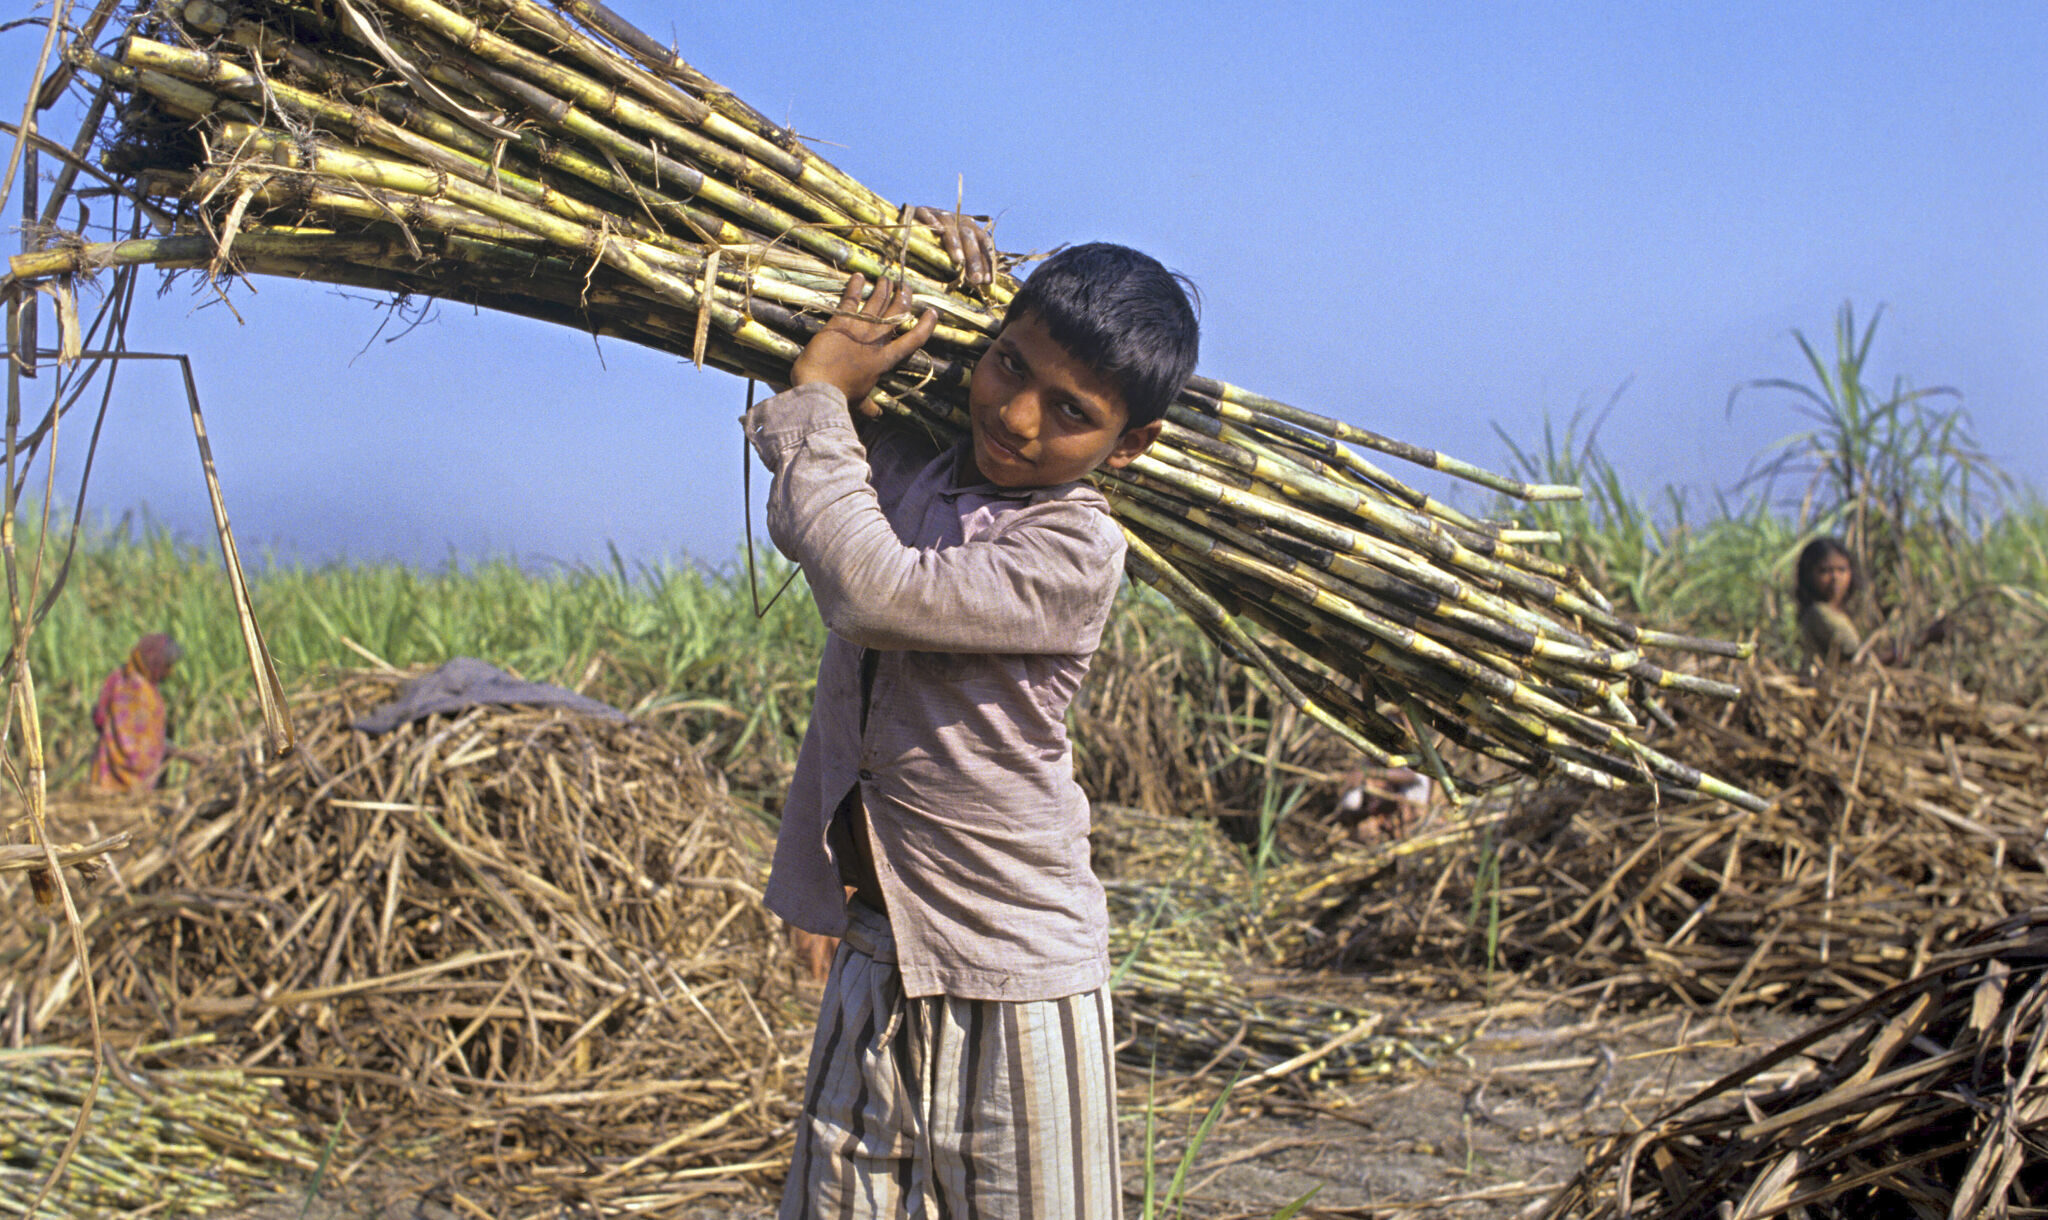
168 1140
553 161
1936 1106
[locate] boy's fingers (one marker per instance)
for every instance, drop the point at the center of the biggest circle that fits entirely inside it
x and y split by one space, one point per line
898 300
849 299
885 301
912 339
979 256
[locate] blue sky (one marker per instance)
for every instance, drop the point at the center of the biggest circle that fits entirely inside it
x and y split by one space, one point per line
1429 219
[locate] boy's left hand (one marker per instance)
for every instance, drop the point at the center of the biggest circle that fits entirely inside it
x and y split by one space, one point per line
964 239
860 343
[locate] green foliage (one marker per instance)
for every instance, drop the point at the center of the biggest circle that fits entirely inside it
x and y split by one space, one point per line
658 640
1156 1202
1716 576
1898 476
2014 549
1937 527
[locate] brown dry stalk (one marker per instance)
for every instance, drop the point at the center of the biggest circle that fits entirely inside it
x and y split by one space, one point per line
1933 1105
537 938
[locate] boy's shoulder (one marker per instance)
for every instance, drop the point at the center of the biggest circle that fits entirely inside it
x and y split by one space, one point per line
1076 532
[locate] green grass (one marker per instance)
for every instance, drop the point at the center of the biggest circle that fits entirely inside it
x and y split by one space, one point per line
1938 527
1165 722
1159 1201
681 644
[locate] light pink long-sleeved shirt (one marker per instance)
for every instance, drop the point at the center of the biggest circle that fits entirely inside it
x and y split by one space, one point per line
984 607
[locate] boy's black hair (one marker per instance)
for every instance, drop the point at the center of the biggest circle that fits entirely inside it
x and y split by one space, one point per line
1124 315
1811 556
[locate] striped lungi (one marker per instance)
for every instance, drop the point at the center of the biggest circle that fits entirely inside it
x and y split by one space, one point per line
943 1107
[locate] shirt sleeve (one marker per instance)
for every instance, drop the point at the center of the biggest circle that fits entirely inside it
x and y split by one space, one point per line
1042 582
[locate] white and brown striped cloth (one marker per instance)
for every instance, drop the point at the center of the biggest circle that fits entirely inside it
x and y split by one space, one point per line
940 1107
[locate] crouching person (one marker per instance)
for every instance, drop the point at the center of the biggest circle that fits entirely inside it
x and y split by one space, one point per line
963 1058
132 721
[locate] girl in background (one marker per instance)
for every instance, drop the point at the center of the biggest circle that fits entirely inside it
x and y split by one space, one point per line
1827 578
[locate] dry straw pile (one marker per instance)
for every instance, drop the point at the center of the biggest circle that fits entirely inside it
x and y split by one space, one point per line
1935 1105
1905 816
1198 1000
553 161
535 938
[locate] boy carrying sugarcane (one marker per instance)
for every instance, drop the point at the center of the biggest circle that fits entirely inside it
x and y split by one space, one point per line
963 1060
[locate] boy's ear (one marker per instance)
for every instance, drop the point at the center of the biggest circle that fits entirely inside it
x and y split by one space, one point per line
1133 443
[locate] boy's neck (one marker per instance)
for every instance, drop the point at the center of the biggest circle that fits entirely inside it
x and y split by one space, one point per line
966 473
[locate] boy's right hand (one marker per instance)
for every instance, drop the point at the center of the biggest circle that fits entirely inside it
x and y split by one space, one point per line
856 347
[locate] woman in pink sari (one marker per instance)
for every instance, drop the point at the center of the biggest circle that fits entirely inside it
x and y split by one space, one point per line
131 719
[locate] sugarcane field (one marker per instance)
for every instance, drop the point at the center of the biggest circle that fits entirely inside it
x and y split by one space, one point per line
1479 836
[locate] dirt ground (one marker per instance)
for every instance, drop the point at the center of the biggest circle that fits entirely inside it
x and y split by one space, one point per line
1490 1130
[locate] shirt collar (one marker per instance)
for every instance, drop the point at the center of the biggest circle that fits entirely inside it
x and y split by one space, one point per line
963 477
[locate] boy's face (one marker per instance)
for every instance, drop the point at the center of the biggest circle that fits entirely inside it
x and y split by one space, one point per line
1041 417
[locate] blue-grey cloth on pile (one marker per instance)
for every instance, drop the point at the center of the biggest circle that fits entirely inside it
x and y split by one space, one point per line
466 682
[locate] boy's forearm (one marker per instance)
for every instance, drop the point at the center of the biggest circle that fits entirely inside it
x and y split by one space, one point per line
778 429
822 509
1044 589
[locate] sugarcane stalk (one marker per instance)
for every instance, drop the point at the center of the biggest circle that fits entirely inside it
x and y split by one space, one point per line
1429 459
1321 453
782 154
751 128
1202 489
1312 483
1168 580
649 265
1442 693
808 191
1389 595
149 57
1317 598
